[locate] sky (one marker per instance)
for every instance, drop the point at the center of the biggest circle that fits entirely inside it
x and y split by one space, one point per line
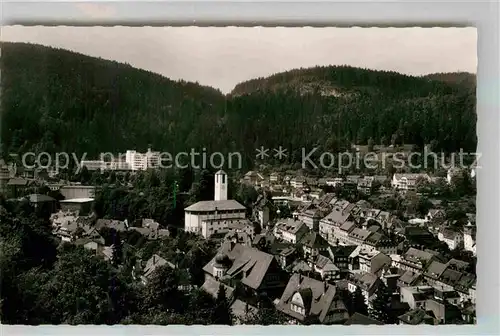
222 57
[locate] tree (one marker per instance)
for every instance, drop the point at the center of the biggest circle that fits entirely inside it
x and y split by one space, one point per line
84 176
462 184
371 143
381 306
201 306
264 316
117 251
186 179
423 206
222 312
358 302
162 291
247 195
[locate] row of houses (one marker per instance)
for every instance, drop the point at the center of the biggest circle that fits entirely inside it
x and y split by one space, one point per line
74 228
400 181
291 272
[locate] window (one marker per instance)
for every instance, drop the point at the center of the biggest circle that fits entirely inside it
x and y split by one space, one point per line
223 178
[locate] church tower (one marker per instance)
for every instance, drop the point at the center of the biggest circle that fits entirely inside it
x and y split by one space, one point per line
220 186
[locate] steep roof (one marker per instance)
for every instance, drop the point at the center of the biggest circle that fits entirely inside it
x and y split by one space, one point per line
450 277
435 269
360 234
319 298
342 250
211 286
379 261
417 316
457 264
290 225
337 216
360 319
40 198
314 240
348 226
246 260
215 205
365 280
153 264
325 263
416 255
17 181
409 278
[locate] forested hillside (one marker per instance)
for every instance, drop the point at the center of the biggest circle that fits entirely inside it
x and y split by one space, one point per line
460 78
55 100
58 100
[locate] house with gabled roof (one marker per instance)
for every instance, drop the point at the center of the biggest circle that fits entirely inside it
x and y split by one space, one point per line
290 230
466 288
368 283
257 271
365 185
435 215
458 265
409 278
152 265
310 301
340 255
406 182
378 241
253 178
298 182
444 312
334 220
358 236
325 267
434 271
313 244
416 296
418 316
312 217
373 261
415 260
275 177
449 278
452 238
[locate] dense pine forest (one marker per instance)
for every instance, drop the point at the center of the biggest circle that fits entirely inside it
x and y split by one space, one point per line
55 100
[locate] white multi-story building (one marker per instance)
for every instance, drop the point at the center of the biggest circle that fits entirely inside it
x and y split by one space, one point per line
450 237
210 217
290 230
93 165
334 182
142 161
470 238
406 182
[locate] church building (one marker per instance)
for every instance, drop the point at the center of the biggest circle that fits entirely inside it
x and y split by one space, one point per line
210 217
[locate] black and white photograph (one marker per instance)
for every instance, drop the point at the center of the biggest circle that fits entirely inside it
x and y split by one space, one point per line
238 175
